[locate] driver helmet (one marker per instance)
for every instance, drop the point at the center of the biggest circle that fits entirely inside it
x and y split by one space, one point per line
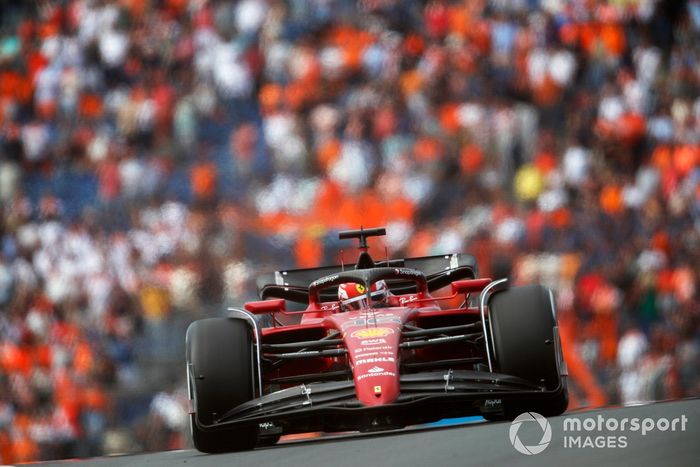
353 296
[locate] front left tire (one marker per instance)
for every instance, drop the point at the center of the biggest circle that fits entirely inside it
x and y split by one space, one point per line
524 333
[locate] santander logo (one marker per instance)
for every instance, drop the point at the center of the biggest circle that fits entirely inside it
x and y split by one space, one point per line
375 369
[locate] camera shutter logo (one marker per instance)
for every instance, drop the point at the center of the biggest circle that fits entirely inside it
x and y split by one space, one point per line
546 433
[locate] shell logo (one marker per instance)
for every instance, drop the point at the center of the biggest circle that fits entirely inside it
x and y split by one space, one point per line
371 333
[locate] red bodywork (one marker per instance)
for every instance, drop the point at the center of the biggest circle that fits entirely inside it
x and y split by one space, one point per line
370 335
372 339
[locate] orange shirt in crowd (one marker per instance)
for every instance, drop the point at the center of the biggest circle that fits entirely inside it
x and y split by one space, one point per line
204 180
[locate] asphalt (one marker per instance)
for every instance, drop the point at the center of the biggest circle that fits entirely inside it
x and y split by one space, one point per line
473 443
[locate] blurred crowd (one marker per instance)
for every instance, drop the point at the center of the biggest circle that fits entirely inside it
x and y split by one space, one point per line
156 155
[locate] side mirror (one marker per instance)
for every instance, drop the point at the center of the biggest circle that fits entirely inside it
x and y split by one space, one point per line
265 306
470 285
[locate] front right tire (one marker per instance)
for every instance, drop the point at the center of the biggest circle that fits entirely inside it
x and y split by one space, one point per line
220 377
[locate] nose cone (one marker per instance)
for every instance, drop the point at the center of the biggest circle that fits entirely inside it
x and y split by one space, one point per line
374 359
378 386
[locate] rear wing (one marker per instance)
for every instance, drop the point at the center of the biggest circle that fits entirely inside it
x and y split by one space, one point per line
439 270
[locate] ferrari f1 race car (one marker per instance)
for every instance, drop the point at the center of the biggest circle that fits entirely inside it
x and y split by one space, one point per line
371 348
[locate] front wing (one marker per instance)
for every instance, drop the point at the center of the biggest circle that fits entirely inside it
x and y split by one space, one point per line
425 397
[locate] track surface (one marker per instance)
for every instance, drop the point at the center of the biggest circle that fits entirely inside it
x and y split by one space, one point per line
468 444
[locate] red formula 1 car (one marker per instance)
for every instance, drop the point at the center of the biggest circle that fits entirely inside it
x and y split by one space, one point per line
387 357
